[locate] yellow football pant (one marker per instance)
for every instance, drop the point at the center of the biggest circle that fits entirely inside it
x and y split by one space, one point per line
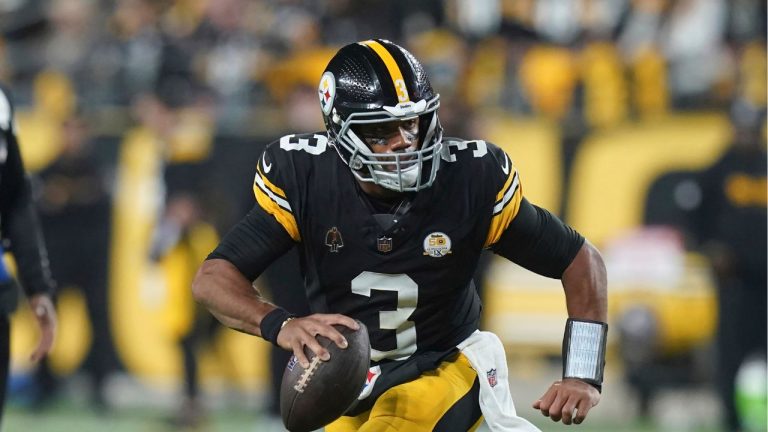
448 393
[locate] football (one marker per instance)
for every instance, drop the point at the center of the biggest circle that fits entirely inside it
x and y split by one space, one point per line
313 397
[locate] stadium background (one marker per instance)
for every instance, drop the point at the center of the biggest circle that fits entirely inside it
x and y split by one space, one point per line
599 102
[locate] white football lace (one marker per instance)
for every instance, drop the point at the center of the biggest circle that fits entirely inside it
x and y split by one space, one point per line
305 377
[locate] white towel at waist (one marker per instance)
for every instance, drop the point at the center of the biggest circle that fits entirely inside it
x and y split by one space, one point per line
486 355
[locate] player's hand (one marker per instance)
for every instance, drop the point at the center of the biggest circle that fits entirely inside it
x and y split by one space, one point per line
569 400
301 332
45 314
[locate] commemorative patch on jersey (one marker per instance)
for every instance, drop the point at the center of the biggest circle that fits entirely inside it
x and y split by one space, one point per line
437 245
326 91
333 240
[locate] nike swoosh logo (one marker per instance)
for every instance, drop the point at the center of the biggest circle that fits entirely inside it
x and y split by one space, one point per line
505 167
264 165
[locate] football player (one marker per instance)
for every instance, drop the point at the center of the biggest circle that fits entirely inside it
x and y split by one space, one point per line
390 219
19 225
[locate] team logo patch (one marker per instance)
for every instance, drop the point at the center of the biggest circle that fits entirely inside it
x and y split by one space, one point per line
373 374
333 240
491 374
437 245
326 91
384 244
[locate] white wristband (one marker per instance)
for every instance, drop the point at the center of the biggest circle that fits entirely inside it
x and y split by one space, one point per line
584 350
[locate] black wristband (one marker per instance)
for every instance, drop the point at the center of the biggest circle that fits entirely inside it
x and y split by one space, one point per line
272 323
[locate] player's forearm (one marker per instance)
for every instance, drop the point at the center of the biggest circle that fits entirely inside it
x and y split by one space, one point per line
27 244
229 296
585 284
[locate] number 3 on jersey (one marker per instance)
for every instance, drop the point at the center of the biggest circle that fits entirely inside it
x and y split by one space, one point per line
314 145
397 320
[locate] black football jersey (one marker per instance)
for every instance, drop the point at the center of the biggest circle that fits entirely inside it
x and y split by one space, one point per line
410 283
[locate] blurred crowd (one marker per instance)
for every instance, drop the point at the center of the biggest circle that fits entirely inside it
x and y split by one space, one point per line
96 82
605 59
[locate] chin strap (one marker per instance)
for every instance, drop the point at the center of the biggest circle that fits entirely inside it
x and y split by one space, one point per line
584 351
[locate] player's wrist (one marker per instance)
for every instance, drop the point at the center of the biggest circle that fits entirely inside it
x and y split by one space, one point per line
584 351
273 322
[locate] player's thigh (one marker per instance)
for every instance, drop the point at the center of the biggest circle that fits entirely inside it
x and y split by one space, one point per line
445 399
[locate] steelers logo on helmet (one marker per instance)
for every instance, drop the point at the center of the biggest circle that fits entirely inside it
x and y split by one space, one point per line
326 91
376 82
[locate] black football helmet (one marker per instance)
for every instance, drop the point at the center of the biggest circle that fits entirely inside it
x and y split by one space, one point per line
377 81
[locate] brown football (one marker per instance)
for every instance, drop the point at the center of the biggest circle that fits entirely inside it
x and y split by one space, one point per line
313 397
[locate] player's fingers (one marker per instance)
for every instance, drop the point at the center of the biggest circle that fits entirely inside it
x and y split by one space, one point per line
344 320
582 410
314 346
298 351
568 408
545 401
332 334
556 409
43 347
47 333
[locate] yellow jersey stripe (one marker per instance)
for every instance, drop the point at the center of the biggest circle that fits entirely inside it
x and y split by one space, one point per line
392 67
277 207
283 216
505 210
269 184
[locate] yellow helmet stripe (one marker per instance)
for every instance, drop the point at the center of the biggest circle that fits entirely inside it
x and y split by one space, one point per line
392 67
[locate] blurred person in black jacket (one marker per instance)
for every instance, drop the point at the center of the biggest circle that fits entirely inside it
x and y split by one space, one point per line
75 218
22 237
731 228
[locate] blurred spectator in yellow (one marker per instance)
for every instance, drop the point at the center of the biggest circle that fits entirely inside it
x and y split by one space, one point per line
549 75
75 208
731 226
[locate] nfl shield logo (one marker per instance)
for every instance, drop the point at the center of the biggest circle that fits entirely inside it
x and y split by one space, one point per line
384 244
491 374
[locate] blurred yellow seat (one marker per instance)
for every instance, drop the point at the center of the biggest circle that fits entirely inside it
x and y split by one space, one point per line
534 147
611 177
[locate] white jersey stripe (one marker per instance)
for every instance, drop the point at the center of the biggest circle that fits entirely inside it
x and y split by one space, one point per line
280 201
507 196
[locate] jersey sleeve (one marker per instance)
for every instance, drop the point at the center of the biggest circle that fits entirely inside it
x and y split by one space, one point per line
508 192
273 178
270 229
253 243
538 241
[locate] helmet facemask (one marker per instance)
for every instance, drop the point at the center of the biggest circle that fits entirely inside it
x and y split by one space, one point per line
405 171
373 82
